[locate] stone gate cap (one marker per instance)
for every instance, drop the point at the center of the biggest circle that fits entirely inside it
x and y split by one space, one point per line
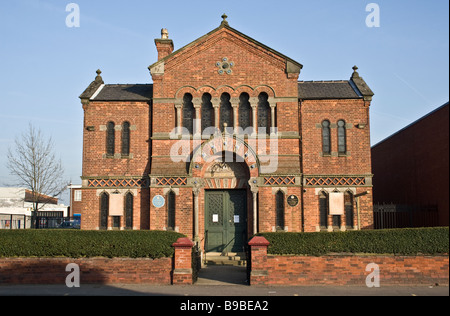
258 241
183 243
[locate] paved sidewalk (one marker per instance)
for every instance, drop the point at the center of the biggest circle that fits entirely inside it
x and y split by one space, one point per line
222 275
218 290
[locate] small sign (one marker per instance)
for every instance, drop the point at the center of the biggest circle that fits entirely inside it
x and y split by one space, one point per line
236 219
292 200
215 218
336 203
159 201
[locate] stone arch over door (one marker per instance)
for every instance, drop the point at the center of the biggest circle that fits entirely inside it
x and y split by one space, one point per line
227 148
226 175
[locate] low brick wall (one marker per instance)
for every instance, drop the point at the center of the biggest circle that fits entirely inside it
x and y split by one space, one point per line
351 270
344 269
164 271
92 271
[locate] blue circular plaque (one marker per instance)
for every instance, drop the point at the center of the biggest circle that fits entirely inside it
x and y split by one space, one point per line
158 201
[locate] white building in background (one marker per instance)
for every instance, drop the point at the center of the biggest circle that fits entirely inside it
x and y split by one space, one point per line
16 208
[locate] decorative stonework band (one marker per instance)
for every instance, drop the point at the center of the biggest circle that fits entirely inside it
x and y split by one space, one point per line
279 181
113 183
335 181
179 181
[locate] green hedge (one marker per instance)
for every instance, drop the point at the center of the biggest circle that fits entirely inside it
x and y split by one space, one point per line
426 241
87 244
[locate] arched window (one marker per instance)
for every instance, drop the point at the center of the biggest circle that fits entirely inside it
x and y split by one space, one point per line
348 207
326 138
245 111
342 137
207 112
323 210
188 113
110 138
264 114
129 198
104 210
126 139
279 221
171 211
226 111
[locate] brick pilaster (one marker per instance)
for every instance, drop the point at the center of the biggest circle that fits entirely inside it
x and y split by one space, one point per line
259 273
182 272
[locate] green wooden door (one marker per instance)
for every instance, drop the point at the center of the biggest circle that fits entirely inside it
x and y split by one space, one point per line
226 220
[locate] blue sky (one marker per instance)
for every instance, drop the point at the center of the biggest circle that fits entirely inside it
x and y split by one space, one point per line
46 65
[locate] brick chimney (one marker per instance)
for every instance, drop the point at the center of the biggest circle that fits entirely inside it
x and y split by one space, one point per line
164 45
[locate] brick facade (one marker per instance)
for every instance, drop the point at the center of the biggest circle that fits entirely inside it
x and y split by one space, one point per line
226 68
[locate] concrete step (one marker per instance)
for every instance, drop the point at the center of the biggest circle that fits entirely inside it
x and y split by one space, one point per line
229 259
224 262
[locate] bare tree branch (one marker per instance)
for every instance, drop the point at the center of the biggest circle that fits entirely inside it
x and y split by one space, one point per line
33 163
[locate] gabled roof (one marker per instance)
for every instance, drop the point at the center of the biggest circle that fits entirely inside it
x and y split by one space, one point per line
225 25
316 90
125 92
93 87
355 88
98 91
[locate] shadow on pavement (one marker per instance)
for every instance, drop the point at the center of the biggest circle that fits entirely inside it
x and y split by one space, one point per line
222 275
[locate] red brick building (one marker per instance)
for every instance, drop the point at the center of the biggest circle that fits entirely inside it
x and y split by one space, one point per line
226 142
411 168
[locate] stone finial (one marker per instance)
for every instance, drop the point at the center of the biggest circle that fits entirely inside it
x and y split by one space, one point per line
224 17
164 34
355 73
99 78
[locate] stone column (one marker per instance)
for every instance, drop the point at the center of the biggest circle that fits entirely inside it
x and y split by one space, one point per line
254 105
196 191
254 189
235 105
255 213
273 106
179 107
198 117
216 105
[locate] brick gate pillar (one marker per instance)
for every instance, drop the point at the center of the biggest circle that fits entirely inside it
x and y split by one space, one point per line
258 249
182 271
